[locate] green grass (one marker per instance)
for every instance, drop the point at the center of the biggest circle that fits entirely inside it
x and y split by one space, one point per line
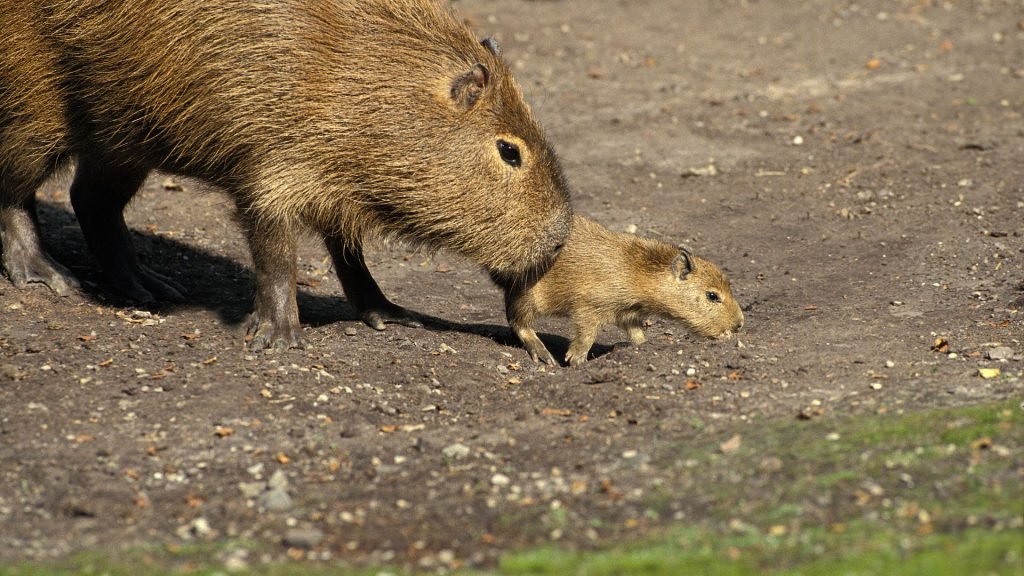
929 460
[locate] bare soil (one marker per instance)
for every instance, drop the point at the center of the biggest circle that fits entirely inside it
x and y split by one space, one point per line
856 168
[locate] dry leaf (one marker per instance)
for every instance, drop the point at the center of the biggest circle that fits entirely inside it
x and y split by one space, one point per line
282 458
556 412
988 373
692 385
731 445
223 431
873 64
983 443
87 338
941 345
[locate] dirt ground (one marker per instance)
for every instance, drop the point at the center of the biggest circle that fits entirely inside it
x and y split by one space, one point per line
856 168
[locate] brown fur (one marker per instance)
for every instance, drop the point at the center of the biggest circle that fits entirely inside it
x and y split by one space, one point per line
602 277
357 119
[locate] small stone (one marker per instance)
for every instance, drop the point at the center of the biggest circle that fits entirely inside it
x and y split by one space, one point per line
304 538
798 140
500 480
276 500
631 229
1000 353
351 331
876 385
251 489
455 451
278 480
889 364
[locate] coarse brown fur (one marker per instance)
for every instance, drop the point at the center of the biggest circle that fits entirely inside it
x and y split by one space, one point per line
360 120
601 277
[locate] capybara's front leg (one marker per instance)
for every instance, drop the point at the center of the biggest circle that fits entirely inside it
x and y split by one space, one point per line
362 291
274 322
21 251
99 194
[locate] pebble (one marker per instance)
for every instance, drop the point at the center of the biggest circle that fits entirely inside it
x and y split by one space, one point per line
351 331
251 489
798 140
455 451
276 500
304 538
1000 353
500 480
278 480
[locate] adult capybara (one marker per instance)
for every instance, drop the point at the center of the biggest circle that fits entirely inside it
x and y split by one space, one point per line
601 277
356 119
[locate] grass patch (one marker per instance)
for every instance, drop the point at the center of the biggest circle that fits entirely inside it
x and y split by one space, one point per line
936 492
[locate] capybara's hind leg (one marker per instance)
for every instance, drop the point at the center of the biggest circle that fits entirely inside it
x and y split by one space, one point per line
99 194
23 256
363 294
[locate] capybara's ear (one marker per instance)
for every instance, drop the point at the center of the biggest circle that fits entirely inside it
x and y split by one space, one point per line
682 265
492 45
467 88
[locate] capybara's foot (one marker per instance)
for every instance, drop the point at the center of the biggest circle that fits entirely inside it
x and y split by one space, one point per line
145 285
577 353
261 334
24 268
387 313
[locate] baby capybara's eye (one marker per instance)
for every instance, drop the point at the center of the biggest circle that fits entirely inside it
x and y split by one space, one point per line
713 296
510 153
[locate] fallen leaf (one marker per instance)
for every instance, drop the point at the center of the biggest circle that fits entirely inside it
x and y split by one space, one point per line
87 338
873 64
282 458
734 375
731 445
983 443
389 428
692 384
810 307
194 501
209 360
223 431
988 373
83 438
443 268
941 345
106 363
556 412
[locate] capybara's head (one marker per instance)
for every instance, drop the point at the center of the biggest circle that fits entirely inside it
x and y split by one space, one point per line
698 293
436 142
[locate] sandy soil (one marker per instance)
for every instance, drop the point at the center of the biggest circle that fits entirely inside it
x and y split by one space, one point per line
855 168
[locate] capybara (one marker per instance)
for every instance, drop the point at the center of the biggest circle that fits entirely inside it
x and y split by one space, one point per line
602 277
358 120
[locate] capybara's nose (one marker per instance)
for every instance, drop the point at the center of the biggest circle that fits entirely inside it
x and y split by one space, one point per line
738 326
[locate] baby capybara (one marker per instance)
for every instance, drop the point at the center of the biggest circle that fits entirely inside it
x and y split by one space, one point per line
604 277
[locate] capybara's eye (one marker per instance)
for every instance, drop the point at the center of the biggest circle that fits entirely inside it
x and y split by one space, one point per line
510 153
713 296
